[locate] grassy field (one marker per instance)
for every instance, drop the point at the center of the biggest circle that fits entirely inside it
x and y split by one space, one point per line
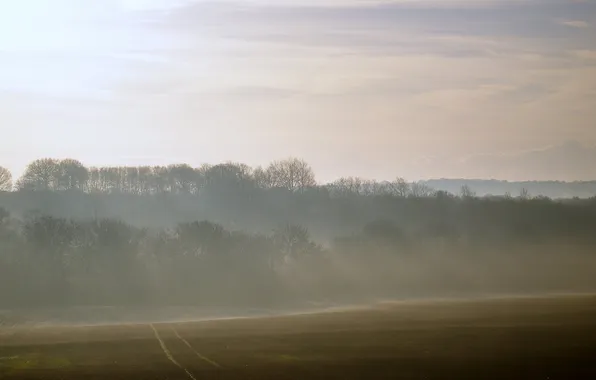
506 338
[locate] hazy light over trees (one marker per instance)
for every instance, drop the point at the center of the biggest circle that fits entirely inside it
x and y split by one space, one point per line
230 234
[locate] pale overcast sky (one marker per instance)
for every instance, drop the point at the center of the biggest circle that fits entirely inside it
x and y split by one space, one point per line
379 88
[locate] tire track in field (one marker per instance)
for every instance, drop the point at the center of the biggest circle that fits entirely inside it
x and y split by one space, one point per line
202 357
168 353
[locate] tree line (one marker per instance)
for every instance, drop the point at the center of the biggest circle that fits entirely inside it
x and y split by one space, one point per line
59 175
258 200
47 261
271 236
292 174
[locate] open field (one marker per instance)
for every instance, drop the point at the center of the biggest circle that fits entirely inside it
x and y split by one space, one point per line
505 338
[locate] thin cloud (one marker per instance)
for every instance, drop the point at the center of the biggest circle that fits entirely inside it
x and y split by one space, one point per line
566 161
579 24
585 54
322 79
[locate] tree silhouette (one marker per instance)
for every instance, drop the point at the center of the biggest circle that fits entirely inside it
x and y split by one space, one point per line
293 174
182 179
72 175
262 178
524 194
466 192
228 175
43 174
419 189
293 241
347 186
401 187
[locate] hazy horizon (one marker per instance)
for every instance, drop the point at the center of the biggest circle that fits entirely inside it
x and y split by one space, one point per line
378 89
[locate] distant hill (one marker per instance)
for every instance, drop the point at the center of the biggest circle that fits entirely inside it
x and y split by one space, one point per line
551 189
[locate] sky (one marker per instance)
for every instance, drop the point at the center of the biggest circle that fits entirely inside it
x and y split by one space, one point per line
374 88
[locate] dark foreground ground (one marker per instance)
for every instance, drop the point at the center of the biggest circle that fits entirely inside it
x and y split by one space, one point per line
513 338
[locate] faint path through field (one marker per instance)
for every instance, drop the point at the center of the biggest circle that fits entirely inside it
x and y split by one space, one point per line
202 357
168 354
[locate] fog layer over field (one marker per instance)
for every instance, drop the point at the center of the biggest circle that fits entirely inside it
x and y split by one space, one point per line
229 241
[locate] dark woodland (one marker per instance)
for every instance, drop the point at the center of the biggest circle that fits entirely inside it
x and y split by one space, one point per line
232 235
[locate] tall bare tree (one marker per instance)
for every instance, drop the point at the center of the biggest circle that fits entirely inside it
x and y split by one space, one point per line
401 187
144 177
524 194
467 192
347 186
420 189
228 174
5 179
159 179
293 174
73 175
42 174
261 178
95 184
182 178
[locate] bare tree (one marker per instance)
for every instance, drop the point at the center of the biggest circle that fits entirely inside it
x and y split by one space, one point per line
420 189
5 179
262 178
347 186
42 174
524 194
372 187
159 179
401 187
466 192
144 179
94 184
73 175
182 178
293 174
229 174
358 186
293 241
110 178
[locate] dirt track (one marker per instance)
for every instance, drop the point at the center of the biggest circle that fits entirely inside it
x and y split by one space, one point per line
532 338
